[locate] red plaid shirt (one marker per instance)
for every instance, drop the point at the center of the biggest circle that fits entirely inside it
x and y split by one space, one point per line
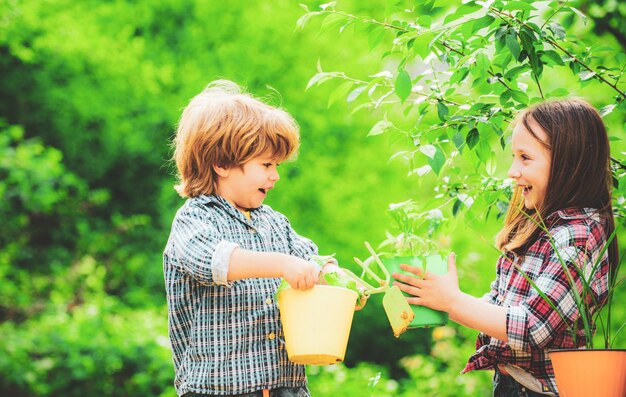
532 326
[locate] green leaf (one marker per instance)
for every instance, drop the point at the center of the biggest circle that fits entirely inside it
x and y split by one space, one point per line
472 138
552 58
380 127
513 73
304 19
580 14
482 64
607 109
436 158
355 93
536 63
483 151
513 44
557 30
340 92
283 284
519 96
425 21
482 22
428 150
518 6
332 21
528 39
375 37
480 107
442 111
459 75
502 59
484 130
500 32
403 85
320 78
461 12
337 280
504 97
458 140
586 75
559 92
456 206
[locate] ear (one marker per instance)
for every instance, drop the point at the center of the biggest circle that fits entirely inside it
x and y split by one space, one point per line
221 171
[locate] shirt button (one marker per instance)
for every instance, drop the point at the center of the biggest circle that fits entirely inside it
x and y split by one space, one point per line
271 336
268 301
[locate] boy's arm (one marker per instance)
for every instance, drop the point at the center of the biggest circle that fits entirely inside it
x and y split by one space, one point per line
201 252
198 249
299 273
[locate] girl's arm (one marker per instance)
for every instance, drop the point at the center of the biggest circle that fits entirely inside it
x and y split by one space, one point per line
443 293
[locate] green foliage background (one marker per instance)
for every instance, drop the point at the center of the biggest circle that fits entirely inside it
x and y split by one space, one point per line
91 92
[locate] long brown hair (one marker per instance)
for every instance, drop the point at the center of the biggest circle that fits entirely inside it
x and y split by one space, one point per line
580 173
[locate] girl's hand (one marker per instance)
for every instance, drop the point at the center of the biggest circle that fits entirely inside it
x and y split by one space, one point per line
430 290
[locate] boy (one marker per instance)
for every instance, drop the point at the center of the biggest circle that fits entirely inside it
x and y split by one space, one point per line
227 252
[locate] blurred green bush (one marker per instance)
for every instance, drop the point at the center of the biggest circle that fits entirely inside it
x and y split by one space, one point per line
90 95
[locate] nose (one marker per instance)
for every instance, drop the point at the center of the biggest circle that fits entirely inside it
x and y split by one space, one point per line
514 172
274 176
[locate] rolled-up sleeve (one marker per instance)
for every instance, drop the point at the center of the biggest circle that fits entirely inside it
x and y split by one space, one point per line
198 249
221 260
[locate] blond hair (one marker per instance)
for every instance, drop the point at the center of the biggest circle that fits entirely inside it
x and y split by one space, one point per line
226 127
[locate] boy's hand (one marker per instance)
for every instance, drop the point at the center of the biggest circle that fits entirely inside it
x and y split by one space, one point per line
300 274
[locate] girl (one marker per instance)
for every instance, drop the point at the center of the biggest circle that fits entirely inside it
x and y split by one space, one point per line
561 168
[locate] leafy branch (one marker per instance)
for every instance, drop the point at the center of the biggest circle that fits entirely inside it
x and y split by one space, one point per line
571 56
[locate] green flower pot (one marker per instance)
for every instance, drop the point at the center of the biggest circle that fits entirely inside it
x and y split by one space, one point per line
424 316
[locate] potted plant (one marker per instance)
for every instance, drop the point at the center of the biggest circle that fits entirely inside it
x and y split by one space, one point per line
408 247
589 370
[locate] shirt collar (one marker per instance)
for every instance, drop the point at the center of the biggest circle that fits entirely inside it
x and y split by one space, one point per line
572 213
213 199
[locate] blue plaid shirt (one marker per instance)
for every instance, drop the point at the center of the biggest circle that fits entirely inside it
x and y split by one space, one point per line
227 337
